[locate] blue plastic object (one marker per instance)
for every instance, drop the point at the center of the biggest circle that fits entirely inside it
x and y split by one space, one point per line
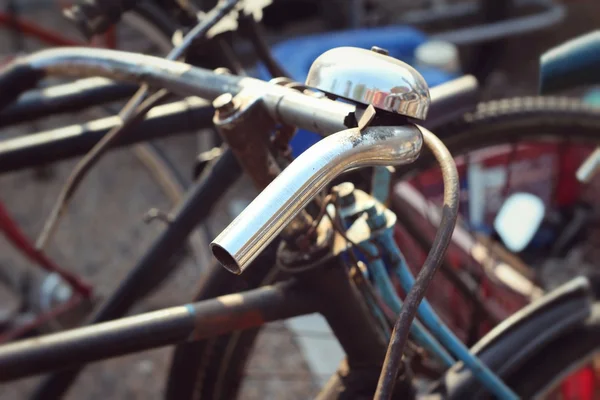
571 64
297 55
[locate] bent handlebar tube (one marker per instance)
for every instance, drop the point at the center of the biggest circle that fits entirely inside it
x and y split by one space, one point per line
285 105
303 179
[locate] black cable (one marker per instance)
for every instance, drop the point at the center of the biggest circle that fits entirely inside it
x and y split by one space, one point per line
393 359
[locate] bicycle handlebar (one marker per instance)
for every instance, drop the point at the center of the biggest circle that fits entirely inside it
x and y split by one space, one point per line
448 100
300 182
303 179
285 105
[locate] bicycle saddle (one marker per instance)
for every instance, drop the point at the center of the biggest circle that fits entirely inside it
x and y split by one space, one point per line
571 64
371 77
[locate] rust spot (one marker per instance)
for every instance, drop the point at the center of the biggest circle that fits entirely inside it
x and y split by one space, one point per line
223 322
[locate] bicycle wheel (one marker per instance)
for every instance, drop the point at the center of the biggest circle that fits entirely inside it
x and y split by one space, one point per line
147 23
215 369
565 368
529 145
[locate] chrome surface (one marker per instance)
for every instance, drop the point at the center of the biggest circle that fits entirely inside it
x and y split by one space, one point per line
369 77
286 105
176 76
303 179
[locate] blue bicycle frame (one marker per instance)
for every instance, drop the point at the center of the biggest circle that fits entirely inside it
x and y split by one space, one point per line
382 255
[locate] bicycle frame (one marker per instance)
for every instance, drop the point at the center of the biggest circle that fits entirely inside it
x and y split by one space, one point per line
160 328
308 293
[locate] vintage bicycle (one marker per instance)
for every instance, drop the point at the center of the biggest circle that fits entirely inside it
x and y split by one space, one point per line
303 245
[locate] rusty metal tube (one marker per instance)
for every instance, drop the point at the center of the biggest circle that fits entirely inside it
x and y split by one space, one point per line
303 179
284 104
154 329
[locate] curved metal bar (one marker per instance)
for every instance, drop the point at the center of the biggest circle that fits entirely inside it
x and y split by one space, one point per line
303 179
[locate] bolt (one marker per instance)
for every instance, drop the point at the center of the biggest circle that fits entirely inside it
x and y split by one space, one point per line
224 105
345 193
380 50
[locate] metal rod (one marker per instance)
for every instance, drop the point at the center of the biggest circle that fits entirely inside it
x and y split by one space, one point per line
177 77
75 140
174 118
303 179
452 99
64 98
441 330
389 293
189 322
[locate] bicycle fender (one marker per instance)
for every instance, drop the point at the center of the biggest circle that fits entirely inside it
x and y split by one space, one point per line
571 64
519 337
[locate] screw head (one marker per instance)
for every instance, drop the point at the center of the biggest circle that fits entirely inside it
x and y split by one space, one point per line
380 50
224 104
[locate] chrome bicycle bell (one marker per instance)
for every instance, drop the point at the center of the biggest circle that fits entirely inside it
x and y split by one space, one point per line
371 77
